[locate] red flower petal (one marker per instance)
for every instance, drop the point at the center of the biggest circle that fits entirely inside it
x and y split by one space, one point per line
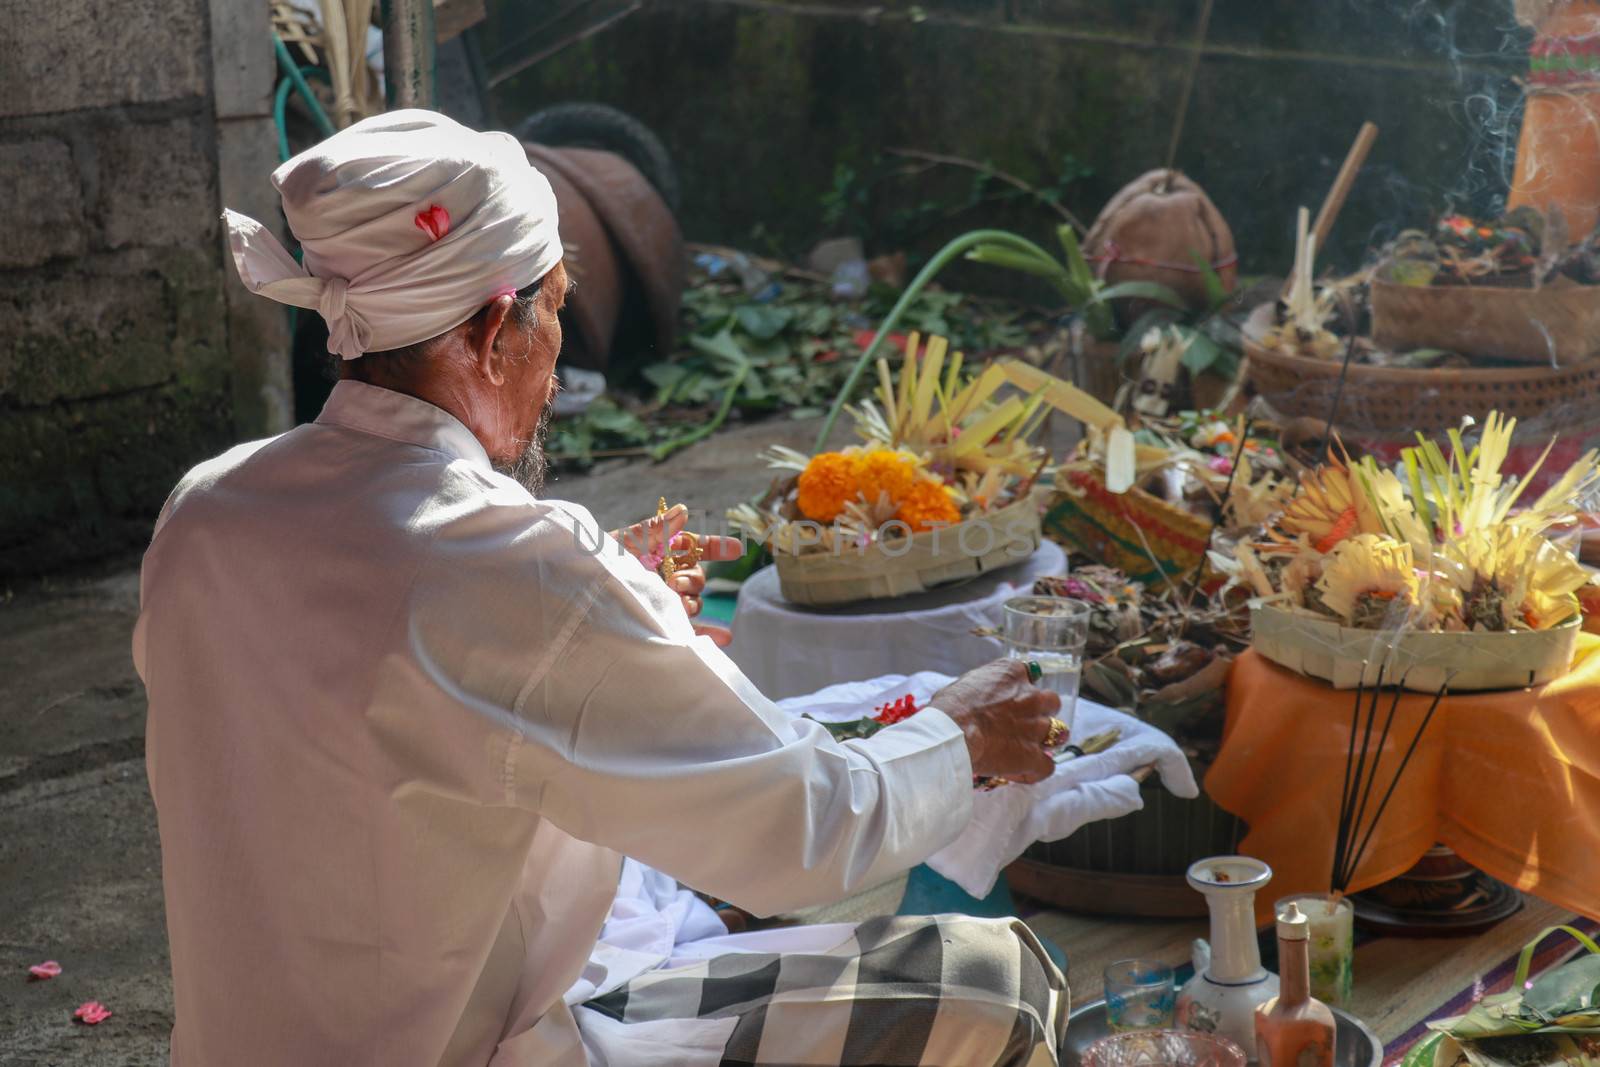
91 1013
46 970
433 221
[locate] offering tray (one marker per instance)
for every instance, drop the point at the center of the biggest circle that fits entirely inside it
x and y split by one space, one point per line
1354 1044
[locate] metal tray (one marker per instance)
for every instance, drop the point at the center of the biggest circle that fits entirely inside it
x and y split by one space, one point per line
1354 1045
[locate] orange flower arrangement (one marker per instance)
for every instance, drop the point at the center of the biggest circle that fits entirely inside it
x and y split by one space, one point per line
928 504
885 471
826 485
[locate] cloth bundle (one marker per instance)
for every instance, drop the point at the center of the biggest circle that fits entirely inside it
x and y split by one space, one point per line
409 223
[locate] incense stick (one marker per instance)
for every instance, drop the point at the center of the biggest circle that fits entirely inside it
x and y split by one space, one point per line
1338 395
1227 494
1405 760
1366 794
1344 789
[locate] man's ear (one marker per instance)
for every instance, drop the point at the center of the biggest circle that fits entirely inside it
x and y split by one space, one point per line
488 340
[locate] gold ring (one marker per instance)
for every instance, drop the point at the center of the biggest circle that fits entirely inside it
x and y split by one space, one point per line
692 549
1057 734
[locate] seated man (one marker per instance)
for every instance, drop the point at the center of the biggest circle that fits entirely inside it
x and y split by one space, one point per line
406 716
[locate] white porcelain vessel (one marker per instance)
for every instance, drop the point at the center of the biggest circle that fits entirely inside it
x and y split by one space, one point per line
1229 980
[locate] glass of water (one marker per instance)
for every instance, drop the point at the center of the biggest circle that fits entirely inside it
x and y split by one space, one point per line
1140 995
1052 631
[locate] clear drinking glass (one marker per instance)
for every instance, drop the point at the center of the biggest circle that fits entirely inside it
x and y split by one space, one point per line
1052 631
1163 1048
1333 944
1140 995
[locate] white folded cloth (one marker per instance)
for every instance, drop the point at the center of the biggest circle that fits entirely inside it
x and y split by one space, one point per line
1005 821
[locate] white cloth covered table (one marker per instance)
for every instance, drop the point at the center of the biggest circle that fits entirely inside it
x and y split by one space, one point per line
788 650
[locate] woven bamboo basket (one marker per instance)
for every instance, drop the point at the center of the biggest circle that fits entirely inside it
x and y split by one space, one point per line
1556 325
1136 532
914 564
1345 657
1398 403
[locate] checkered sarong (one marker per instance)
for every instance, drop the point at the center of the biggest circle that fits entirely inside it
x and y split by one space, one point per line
901 991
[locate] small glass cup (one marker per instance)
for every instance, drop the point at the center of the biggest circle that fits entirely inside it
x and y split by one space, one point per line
1332 944
1053 632
1140 995
1163 1048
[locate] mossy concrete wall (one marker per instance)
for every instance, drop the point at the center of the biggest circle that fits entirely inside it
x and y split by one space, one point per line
124 358
761 100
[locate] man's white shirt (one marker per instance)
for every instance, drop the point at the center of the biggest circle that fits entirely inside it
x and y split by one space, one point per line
405 719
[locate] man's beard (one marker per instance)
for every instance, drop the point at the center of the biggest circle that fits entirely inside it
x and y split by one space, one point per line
529 469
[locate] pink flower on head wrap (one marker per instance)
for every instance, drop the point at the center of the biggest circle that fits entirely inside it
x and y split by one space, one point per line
433 221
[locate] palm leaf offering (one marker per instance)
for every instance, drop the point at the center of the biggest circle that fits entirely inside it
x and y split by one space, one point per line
942 442
1451 546
1553 1021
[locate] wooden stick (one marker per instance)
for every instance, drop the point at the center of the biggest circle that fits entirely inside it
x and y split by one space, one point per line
1183 96
1341 184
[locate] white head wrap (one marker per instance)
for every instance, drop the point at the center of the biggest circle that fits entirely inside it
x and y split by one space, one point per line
409 223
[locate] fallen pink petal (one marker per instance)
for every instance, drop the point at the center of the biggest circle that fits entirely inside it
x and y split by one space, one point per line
91 1013
44 971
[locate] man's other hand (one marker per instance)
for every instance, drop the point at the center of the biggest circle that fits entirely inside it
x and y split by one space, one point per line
645 541
1006 719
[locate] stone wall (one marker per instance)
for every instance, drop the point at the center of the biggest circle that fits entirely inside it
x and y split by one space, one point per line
126 352
761 101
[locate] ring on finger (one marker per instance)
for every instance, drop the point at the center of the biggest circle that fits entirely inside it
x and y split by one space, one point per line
1056 734
1035 672
687 546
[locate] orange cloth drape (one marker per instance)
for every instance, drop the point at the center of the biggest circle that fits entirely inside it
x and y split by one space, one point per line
1509 780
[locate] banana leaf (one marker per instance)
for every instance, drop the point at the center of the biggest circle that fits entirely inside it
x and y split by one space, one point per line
1554 1022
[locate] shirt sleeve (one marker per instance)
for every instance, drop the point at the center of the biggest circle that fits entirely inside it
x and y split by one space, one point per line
629 731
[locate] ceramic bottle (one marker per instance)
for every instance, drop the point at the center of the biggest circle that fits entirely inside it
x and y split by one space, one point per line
1229 981
1294 1029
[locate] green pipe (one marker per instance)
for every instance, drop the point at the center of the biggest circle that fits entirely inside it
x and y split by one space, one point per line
291 70
280 108
940 260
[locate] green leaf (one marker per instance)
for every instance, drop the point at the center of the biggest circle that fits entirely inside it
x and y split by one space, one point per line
1202 353
665 375
723 350
1012 259
763 321
1161 294
1077 266
754 390
1216 293
1421 1054
1572 987
1226 366
608 418
815 319
769 353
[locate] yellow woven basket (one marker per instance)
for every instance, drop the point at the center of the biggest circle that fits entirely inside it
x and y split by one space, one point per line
912 564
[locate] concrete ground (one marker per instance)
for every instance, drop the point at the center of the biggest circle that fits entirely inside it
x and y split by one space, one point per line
80 864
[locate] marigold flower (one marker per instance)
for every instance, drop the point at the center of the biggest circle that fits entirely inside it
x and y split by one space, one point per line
928 504
885 471
826 485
